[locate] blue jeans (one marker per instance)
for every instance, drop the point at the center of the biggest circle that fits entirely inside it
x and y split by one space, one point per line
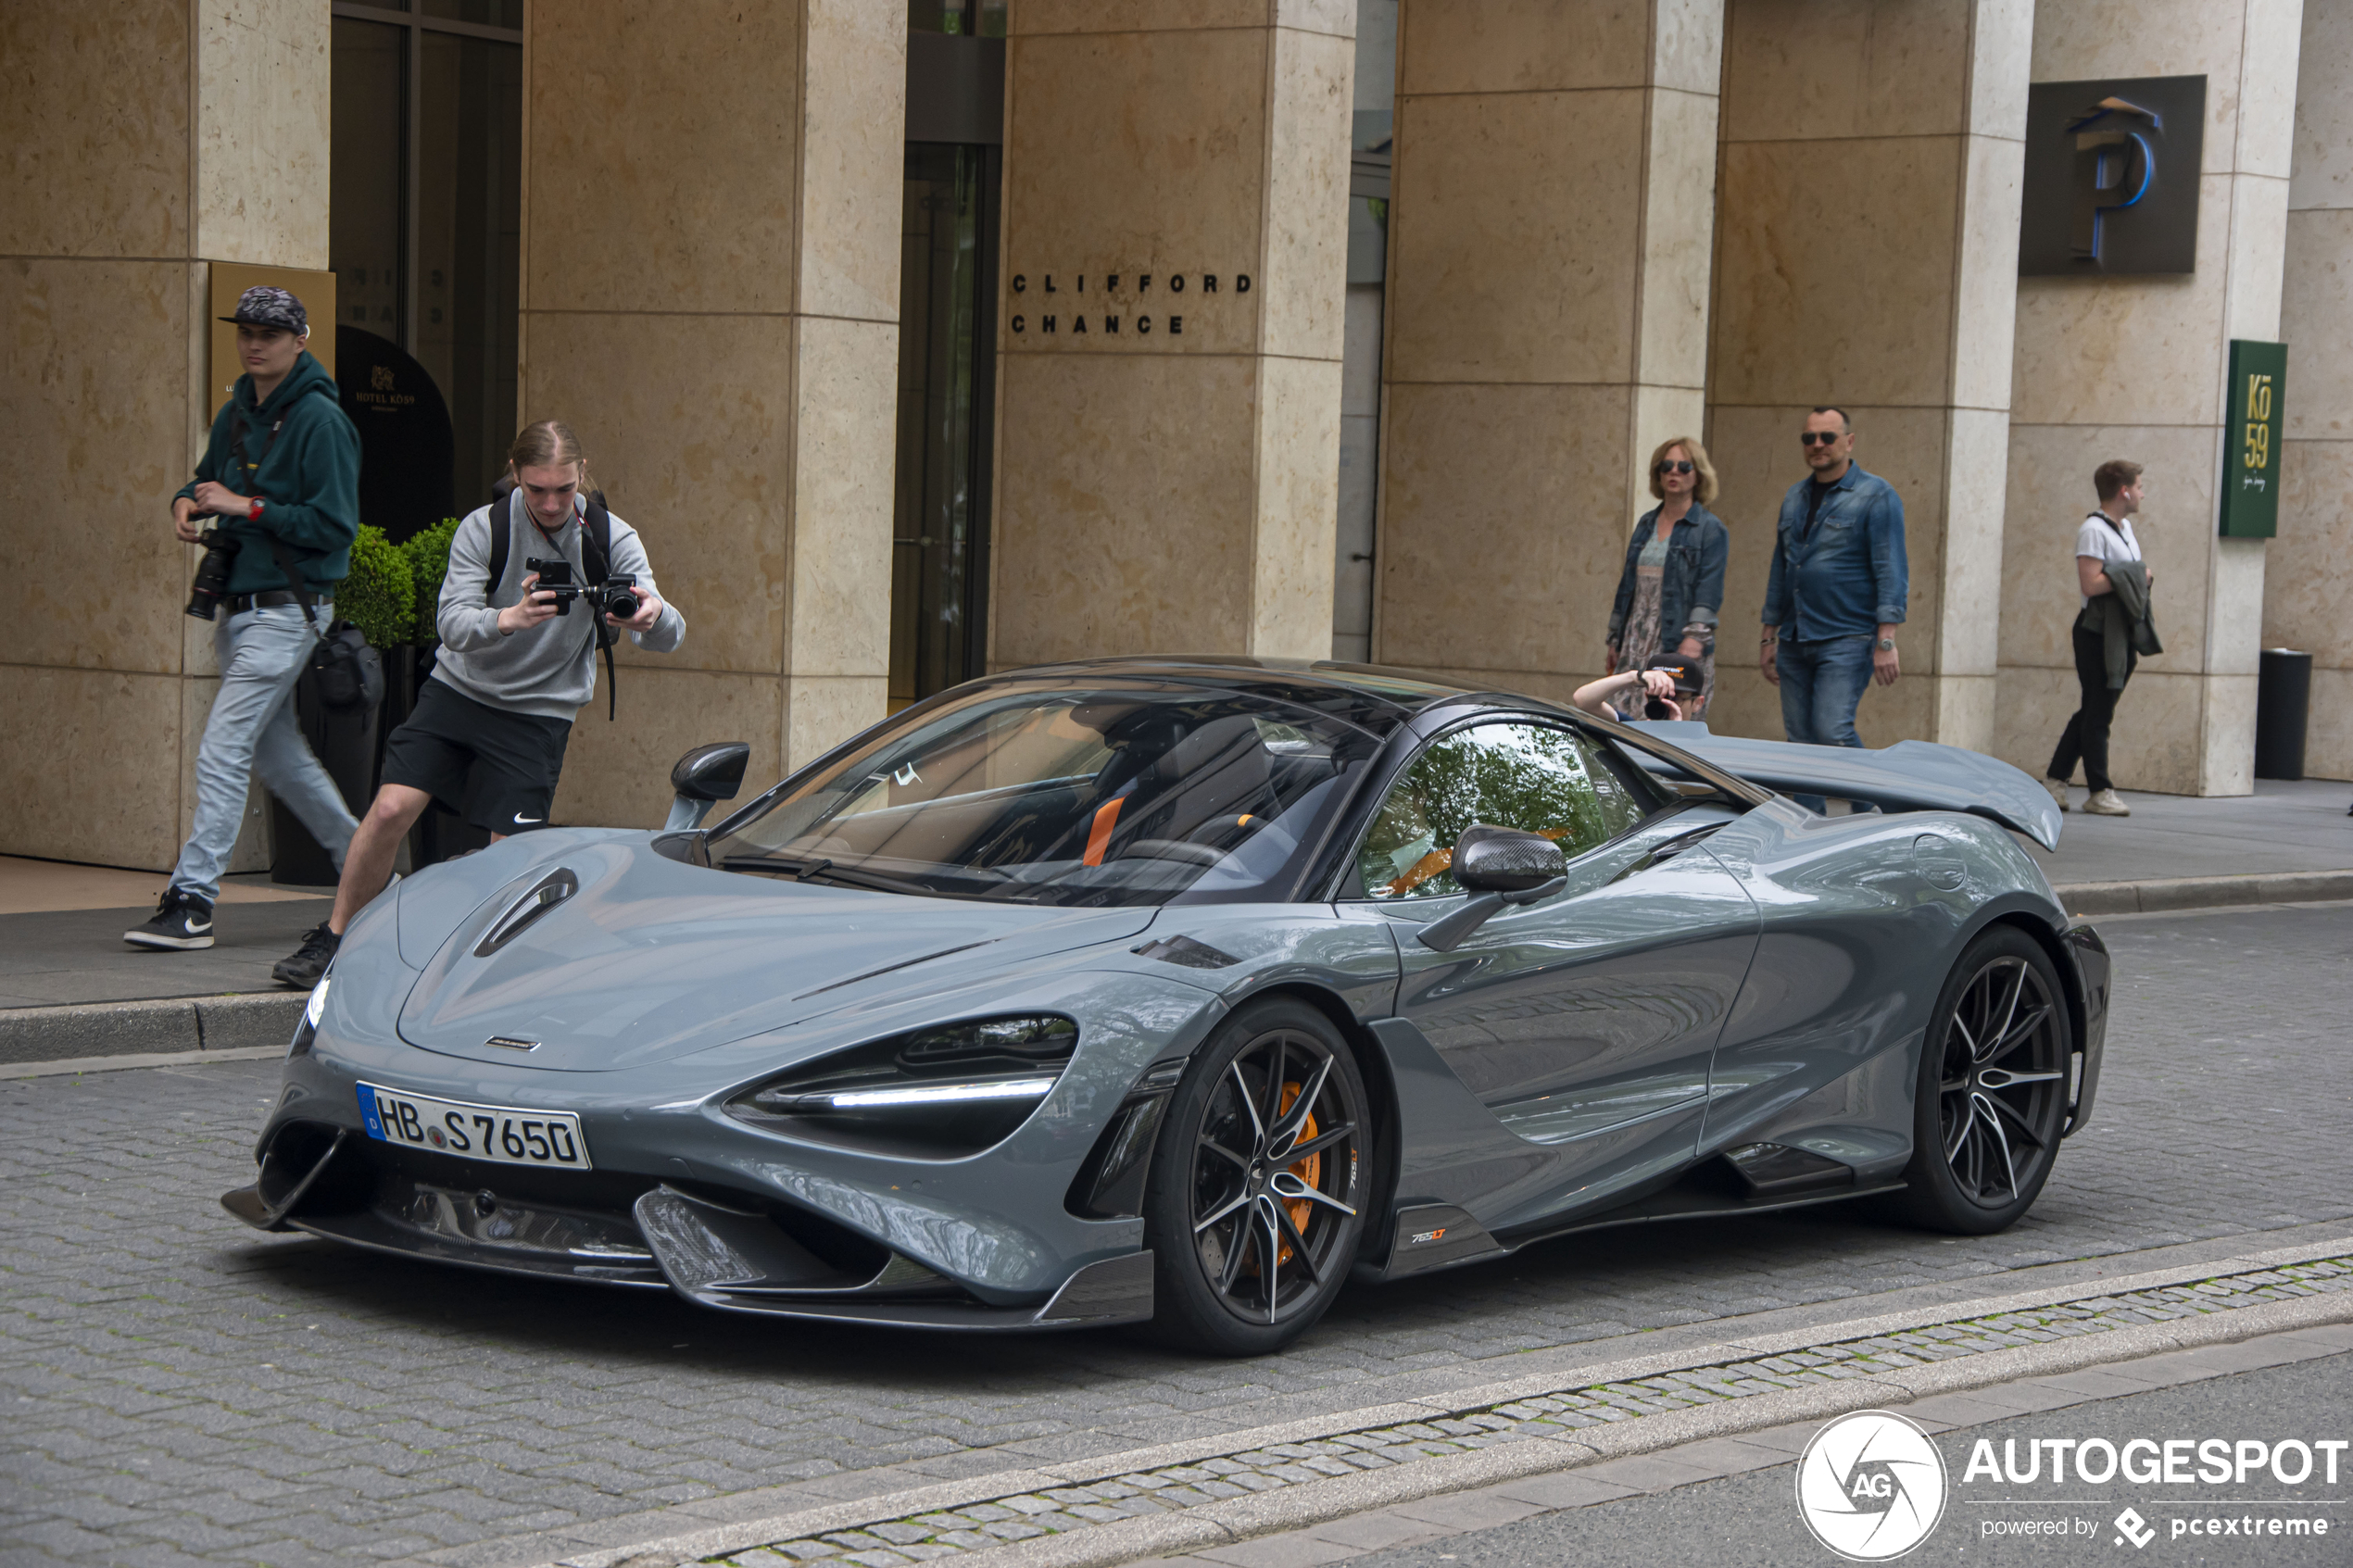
252 731
1821 684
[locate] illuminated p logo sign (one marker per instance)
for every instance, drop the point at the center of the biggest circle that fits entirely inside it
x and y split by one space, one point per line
2115 165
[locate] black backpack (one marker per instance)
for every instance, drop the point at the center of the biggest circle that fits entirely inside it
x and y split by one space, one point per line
349 673
596 561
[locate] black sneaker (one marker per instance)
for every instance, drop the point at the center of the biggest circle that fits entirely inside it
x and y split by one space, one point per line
181 921
309 961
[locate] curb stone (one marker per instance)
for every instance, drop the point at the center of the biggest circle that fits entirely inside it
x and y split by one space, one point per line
1233 1520
624 1541
175 1023
2203 892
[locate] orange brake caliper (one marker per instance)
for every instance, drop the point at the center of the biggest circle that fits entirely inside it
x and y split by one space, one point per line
1310 1169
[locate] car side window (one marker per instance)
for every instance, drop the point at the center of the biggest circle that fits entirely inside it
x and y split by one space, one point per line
1533 777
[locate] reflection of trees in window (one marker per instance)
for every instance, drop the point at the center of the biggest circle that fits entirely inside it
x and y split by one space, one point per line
1525 776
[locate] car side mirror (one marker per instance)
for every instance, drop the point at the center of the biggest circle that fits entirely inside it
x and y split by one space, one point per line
1493 859
1499 867
702 777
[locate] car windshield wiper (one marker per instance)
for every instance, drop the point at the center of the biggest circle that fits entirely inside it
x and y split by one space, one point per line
822 871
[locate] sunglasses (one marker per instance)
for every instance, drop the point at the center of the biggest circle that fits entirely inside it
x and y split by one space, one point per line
1817 437
1674 468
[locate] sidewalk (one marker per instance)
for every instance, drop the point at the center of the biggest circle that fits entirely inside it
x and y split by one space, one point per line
2297 830
66 975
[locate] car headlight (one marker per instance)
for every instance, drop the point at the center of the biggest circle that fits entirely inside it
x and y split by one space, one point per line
939 1092
312 1011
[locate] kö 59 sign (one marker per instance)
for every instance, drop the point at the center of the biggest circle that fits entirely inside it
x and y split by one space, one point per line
2255 420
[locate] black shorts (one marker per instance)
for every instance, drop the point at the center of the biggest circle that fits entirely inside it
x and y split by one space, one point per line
496 768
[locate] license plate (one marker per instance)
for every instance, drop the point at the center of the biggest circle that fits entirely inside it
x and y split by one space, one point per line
499 1133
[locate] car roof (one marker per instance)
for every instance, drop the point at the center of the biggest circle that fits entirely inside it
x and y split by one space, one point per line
1376 696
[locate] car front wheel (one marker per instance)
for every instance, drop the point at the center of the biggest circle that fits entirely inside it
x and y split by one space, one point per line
1992 1088
1255 1206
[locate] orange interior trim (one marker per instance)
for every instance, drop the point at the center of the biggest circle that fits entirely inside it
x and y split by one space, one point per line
1099 836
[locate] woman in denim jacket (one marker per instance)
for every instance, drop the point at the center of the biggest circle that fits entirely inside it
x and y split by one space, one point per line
1673 584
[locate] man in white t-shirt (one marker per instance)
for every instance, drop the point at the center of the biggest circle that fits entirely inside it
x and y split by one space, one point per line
2106 535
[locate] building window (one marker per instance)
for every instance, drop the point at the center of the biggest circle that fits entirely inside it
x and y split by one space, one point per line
424 234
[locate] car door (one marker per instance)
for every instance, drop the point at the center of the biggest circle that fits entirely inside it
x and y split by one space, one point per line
1586 1021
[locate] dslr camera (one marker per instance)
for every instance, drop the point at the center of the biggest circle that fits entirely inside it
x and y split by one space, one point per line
1684 672
211 584
611 596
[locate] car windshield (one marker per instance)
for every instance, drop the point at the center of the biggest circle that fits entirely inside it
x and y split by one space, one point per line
1120 793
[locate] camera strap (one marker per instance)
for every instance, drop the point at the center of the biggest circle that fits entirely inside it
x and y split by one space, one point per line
245 469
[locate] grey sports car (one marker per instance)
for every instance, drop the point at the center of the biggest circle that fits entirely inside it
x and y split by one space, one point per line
1184 990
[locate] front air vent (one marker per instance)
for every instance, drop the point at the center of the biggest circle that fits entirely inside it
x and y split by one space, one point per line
544 895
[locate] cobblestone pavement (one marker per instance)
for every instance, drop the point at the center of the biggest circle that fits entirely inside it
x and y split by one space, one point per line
183 1390
919 1538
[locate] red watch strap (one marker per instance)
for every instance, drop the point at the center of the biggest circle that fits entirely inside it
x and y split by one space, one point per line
253 511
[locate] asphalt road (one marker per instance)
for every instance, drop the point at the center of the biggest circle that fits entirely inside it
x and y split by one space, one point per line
182 1389
1752 1519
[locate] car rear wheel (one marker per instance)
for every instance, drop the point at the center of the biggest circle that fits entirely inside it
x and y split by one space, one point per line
1992 1088
1255 1206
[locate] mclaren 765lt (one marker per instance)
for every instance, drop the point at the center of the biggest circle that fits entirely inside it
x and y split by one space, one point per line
1185 990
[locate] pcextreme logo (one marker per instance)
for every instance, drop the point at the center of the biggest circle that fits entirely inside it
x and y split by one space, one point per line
1871 1486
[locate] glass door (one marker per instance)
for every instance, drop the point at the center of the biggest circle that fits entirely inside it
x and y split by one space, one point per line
946 383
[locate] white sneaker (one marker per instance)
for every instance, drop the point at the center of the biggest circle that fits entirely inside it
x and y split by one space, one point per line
2058 791
2105 803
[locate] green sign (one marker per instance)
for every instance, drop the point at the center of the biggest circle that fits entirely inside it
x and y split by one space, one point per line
2254 429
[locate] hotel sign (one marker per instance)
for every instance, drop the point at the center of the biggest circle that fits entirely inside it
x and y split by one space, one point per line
2257 418
2111 179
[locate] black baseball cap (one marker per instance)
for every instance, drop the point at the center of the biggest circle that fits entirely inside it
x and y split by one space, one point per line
1684 672
263 306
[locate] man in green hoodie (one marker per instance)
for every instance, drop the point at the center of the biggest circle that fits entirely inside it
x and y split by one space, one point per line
281 477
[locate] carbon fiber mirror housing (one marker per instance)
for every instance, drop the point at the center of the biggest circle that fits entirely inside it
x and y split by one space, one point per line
1493 859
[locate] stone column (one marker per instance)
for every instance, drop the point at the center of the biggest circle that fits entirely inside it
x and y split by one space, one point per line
1549 246
1173 268
2308 603
148 142
2134 366
1867 258
712 215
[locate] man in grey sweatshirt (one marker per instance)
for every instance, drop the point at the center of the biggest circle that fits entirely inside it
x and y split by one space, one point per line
488 734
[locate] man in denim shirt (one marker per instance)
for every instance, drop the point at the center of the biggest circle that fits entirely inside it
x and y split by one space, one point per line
1838 589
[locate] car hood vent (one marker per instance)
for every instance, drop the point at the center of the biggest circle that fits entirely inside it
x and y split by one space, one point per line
643 958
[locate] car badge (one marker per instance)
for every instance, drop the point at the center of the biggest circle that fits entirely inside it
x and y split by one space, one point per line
504 1043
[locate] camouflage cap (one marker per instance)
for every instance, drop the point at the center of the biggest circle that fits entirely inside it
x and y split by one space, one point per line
265 307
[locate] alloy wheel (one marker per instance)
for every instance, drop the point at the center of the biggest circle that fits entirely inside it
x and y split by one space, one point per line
2002 1083
1274 1176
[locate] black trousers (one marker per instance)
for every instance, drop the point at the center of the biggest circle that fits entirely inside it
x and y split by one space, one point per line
2085 738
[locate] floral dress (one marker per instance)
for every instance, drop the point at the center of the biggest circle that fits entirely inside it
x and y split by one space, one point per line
1641 642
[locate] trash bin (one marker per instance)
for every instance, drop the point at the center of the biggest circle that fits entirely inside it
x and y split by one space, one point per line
2283 704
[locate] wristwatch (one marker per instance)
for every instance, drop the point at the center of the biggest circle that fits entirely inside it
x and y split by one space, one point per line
253 509
1887 645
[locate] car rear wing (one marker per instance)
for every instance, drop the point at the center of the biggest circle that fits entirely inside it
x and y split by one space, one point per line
1911 775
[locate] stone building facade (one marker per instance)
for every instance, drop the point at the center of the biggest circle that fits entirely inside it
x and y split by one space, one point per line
1384 304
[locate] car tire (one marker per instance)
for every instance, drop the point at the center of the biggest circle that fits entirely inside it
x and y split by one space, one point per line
1214 1218
1992 1088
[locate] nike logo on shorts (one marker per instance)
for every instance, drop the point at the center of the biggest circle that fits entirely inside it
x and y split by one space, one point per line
523 821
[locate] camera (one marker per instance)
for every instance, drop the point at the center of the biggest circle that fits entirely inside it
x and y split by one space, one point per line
211 584
611 596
